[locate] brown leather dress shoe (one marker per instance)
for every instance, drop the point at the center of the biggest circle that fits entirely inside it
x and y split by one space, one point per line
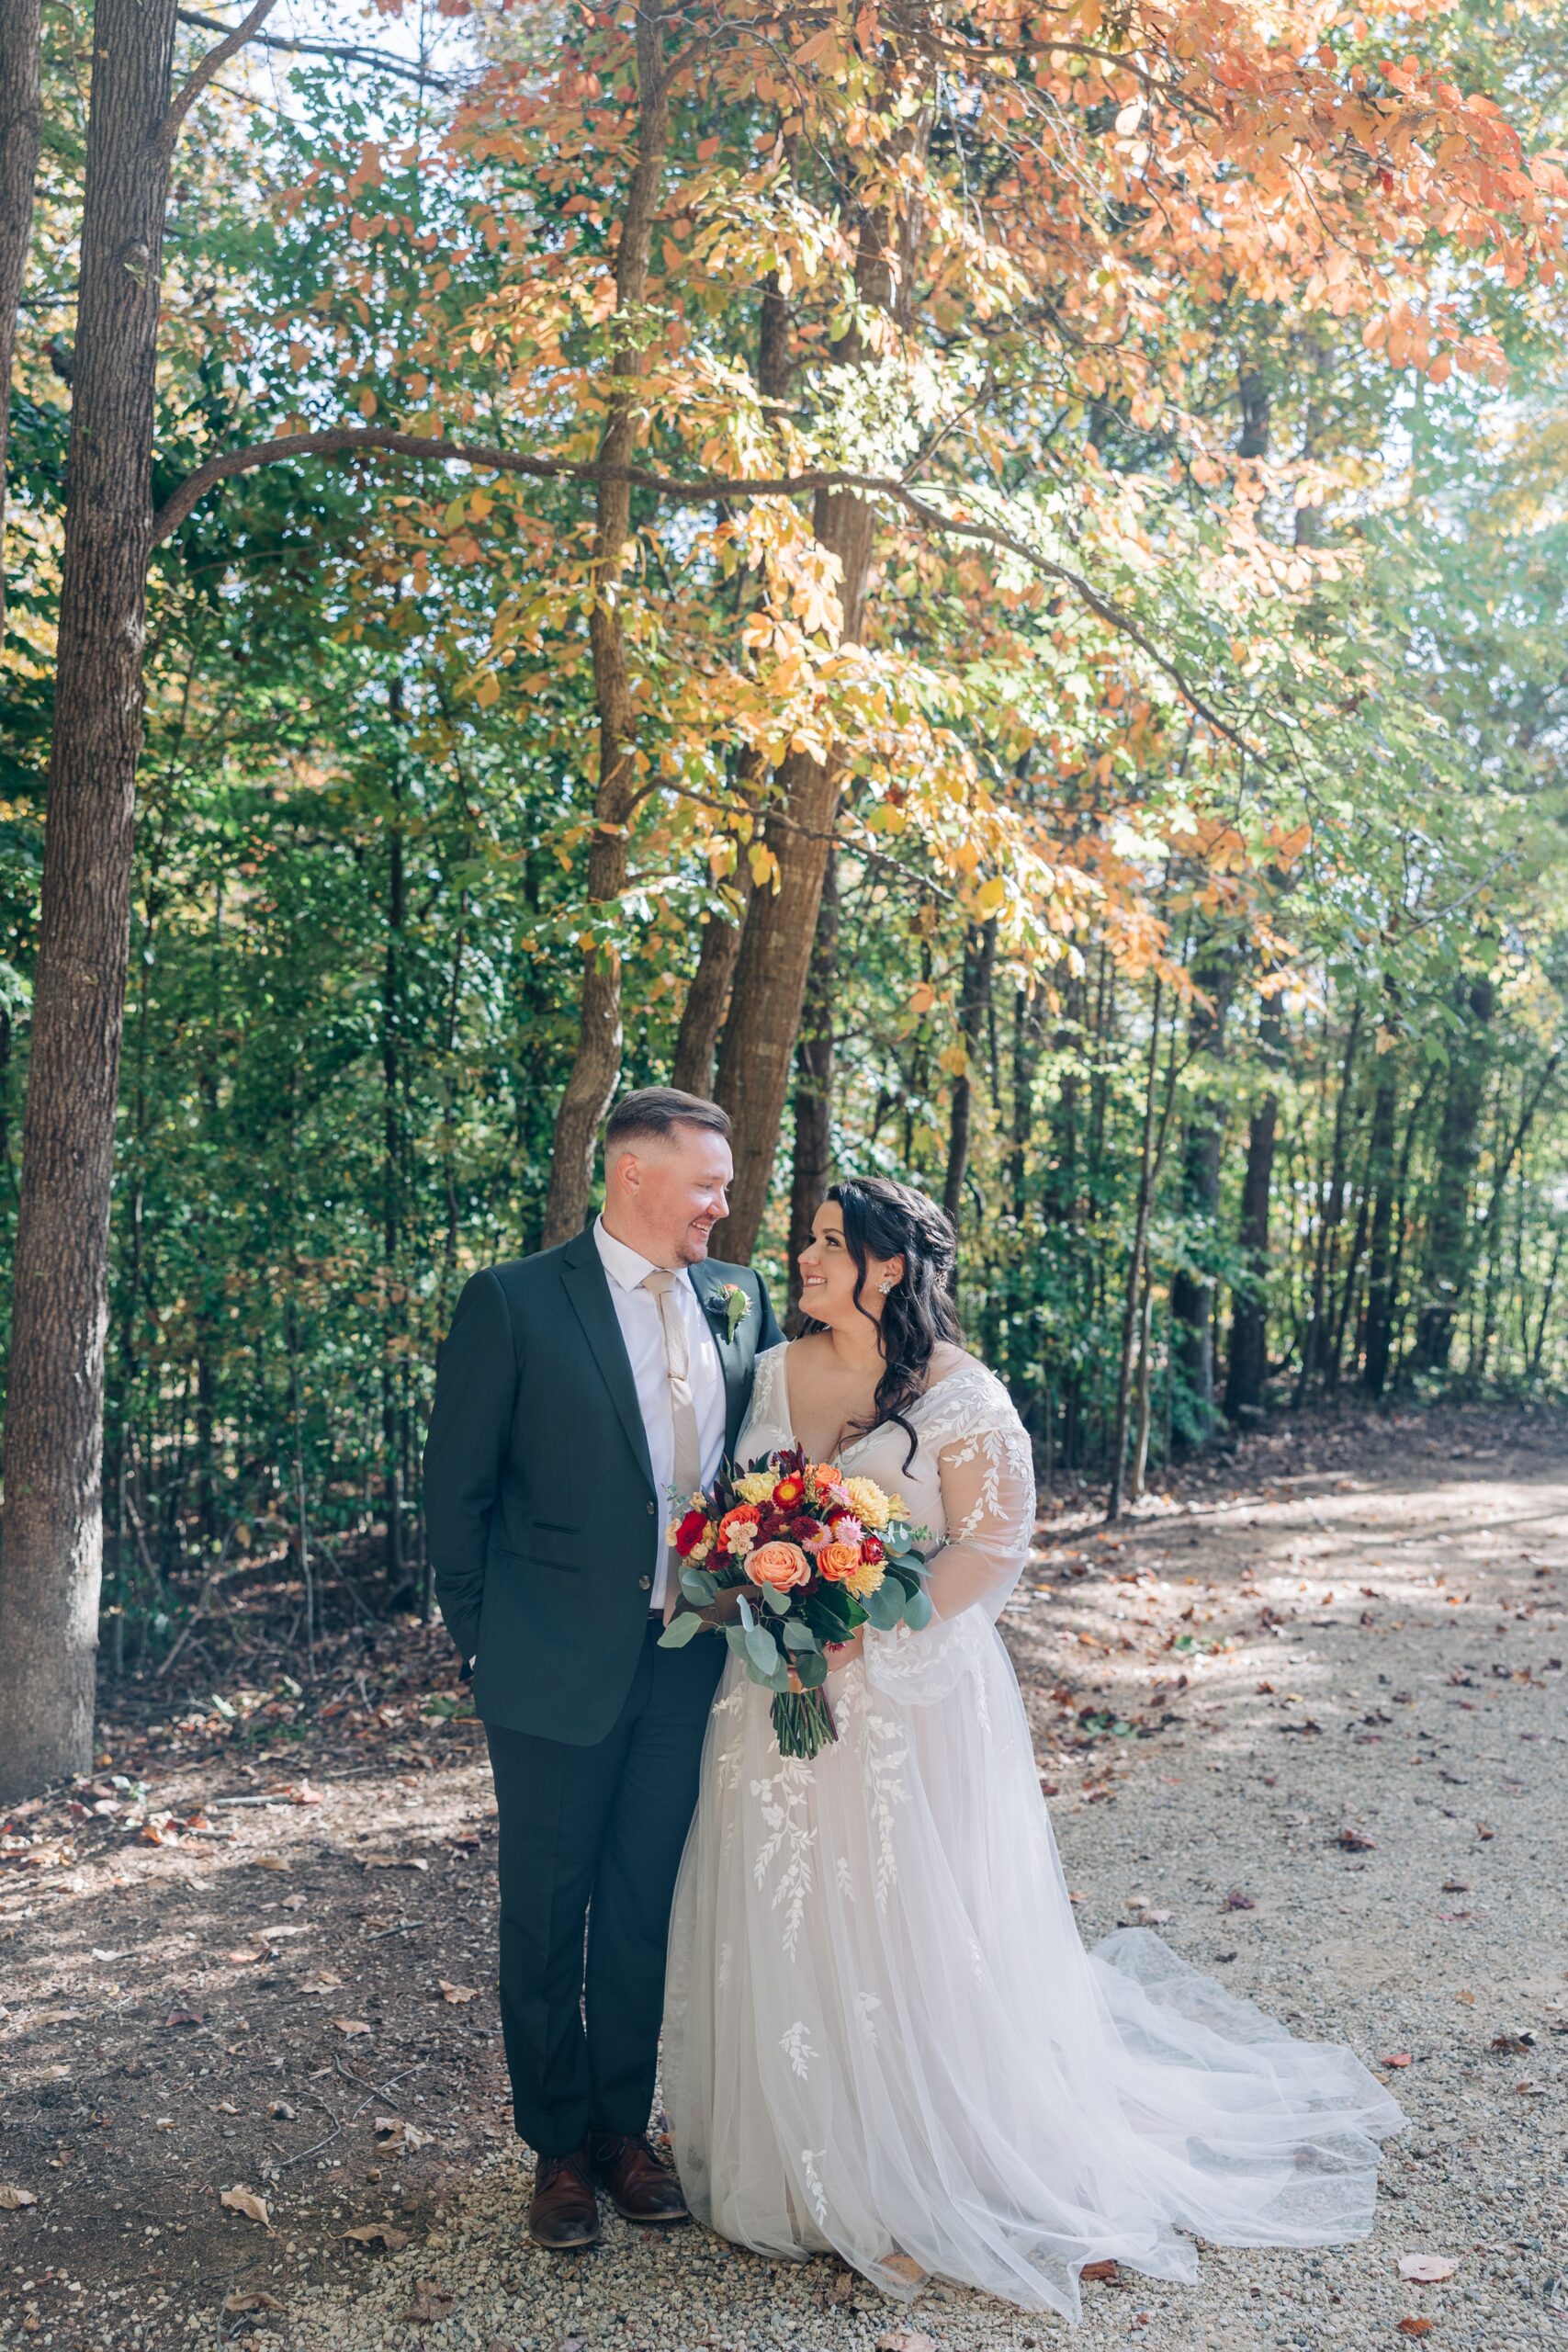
639 2188
565 2211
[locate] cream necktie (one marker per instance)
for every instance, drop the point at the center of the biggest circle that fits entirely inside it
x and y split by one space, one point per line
688 1471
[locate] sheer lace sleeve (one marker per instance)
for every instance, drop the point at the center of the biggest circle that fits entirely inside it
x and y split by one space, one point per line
987 1491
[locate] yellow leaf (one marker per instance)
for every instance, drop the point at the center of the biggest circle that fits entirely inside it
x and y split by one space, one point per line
991 895
367 402
923 998
488 691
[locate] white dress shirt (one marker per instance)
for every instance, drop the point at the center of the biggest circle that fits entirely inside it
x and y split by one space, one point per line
642 1329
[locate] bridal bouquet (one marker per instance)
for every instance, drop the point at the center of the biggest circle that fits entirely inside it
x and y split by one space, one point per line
827 1553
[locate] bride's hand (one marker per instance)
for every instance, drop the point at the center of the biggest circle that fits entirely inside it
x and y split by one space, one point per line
726 1609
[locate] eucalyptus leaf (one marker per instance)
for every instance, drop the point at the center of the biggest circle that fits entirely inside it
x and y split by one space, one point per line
798 1636
885 1606
777 1602
698 1586
680 1631
918 1610
762 1653
811 1670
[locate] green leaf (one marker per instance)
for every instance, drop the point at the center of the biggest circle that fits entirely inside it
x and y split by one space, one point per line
885 1606
918 1610
736 1636
761 1654
748 1615
811 1670
698 1586
680 1631
798 1635
777 1602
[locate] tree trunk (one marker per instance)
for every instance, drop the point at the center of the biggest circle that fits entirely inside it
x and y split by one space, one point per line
1247 1372
393 1351
1151 1157
814 1083
1192 1291
1379 1331
776 938
702 1018
21 121
1451 1244
53 1445
974 1009
596 1072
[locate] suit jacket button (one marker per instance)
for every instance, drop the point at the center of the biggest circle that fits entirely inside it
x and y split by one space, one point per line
646 1583
650 1510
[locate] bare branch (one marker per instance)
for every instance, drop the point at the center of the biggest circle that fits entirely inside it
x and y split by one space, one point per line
348 52
216 57
344 439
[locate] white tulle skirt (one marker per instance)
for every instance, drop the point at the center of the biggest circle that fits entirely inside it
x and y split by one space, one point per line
883 2038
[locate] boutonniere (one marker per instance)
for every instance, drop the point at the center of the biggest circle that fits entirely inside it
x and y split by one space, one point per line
734 1303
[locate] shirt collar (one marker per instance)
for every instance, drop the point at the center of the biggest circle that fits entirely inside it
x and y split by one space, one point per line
625 1265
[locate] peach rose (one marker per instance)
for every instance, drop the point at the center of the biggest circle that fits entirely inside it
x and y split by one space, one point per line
825 1475
784 1565
837 1562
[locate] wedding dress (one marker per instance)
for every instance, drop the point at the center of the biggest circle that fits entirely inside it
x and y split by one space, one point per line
882 2036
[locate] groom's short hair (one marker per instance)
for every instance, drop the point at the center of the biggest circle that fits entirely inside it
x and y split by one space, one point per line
657 1111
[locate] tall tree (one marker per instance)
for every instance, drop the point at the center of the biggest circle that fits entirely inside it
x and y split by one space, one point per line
21 125
51 1559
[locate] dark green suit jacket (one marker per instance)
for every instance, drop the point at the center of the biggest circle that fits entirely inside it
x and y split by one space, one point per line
538 1494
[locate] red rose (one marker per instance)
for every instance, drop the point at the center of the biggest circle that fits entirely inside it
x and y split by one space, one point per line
870 1549
690 1532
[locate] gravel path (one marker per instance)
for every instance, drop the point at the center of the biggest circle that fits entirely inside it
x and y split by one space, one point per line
1315 1714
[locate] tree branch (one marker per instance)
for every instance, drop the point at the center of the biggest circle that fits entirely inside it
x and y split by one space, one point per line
216 57
347 51
344 439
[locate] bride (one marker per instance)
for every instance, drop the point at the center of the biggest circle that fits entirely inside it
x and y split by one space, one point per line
881 2034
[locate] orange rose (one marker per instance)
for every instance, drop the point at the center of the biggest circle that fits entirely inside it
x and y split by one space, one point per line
824 1475
784 1565
837 1562
738 1518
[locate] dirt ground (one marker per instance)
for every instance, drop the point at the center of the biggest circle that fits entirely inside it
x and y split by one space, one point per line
1304 1712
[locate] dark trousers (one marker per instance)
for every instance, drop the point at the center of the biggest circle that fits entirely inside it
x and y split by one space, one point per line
595 1834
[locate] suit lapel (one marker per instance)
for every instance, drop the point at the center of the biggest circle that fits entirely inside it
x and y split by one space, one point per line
588 1287
708 1281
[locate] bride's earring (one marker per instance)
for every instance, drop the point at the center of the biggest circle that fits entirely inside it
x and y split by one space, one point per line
885 1288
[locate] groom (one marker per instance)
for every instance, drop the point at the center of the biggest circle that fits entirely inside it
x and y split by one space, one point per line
576 1388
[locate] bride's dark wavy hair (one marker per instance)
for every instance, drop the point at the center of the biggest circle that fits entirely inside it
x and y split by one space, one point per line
882 1219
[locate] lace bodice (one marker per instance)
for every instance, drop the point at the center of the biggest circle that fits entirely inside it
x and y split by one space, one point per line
971 1480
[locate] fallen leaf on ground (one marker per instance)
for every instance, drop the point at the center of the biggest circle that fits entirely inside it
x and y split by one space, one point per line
1400 2058
325 1982
268 1862
11 2200
257 2299
377 2233
843 2287
246 2201
1352 1842
1467 1999
1427 2269
430 2301
183 2017
281 2111
1098 2270
1482 1832
906 2340
902 2267
241 1959
351 2025
1415 2327
392 2133
1456 1886
456 1994
1238 1901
